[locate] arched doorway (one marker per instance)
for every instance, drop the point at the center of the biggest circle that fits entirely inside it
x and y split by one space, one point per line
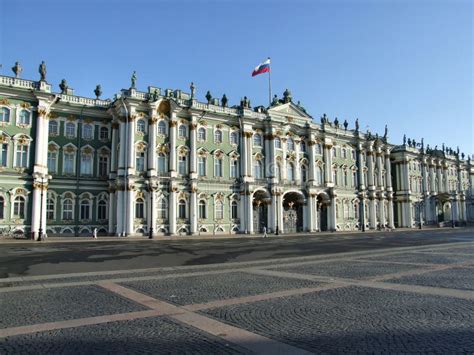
323 202
261 200
293 203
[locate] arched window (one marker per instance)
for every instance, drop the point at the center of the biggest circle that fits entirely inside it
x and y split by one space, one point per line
85 210
53 128
234 210
234 138
19 207
334 176
290 172
290 144
68 209
202 209
354 178
102 210
141 126
161 163
87 131
182 209
182 131
162 127
217 167
2 207
319 149
70 130
50 209
344 153
24 117
277 142
139 208
304 173
356 210
334 152
345 209
4 114
258 169
219 209
218 136
319 175
303 146
202 134
104 133
353 152
346 178
202 166
162 209
257 140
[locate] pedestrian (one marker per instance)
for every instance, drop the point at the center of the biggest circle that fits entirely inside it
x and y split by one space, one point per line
264 232
94 234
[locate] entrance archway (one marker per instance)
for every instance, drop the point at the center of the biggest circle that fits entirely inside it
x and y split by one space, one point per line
323 202
261 200
293 203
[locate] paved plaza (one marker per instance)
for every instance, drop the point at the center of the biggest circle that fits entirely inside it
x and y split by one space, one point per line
413 298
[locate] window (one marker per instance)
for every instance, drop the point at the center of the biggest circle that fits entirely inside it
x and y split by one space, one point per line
290 145
277 142
24 117
334 176
52 158
345 209
70 130
68 163
304 173
162 209
354 178
257 140
344 153
182 168
234 138
141 126
334 152
319 175
303 146
258 169
104 133
219 209
86 164
202 209
2 207
103 165
139 208
234 210
202 166
319 149
162 127
140 161
3 154
53 128
87 131
22 156
290 172
85 210
217 167
218 136
161 163
234 168
50 209
19 207
102 210
67 209
353 152
182 132
202 134
346 178
278 171
4 114
182 209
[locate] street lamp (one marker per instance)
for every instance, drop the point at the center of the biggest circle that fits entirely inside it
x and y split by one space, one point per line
150 232
44 180
420 212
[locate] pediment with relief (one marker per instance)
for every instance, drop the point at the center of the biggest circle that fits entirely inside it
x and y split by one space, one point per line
289 109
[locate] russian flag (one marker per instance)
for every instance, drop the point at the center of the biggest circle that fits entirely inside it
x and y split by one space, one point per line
262 68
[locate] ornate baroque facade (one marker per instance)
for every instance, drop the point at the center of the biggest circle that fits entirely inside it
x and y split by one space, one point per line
165 163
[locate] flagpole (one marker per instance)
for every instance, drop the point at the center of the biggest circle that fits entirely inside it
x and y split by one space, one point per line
270 85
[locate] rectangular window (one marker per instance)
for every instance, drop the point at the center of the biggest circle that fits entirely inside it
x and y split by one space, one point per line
233 168
70 130
202 166
219 210
103 166
68 164
140 161
85 211
3 154
218 167
86 164
52 156
182 165
22 156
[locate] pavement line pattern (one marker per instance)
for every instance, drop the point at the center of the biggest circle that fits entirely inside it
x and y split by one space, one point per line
251 341
437 291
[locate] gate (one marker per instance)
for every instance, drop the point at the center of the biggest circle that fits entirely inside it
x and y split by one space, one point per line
290 221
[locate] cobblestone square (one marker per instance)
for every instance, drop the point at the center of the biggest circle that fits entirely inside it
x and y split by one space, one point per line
425 258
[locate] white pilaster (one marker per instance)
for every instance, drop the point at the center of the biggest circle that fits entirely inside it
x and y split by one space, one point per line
172 163
173 204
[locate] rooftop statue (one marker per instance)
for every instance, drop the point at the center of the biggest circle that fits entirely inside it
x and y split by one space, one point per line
357 124
17 69
275 100
63 86
404 139
287 96
42 71
224 101
154 96
133 80
345 124
193 90
385 134
336 122
208 97
98 91
422 144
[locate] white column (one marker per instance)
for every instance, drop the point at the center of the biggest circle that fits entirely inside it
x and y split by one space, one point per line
390 214
379 169
382 211
249 154
432 178
121 162
152 156
130 228
388 171
112 212
284 160
243 154
250 214
370 166
273 212
311 208
279 212
113 153
193 211
243 214
311 156
332 214
439 176
297 161
119 212
372 221
172 163
131 147
328 164
445 179
173 204
193 139
361 165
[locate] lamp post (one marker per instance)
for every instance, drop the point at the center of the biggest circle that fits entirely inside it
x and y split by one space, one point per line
43 181
150 236
125 209
420 212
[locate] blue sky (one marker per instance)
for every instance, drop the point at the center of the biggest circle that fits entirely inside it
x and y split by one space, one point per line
408 64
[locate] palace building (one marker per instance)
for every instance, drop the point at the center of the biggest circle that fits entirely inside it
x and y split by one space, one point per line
163 163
